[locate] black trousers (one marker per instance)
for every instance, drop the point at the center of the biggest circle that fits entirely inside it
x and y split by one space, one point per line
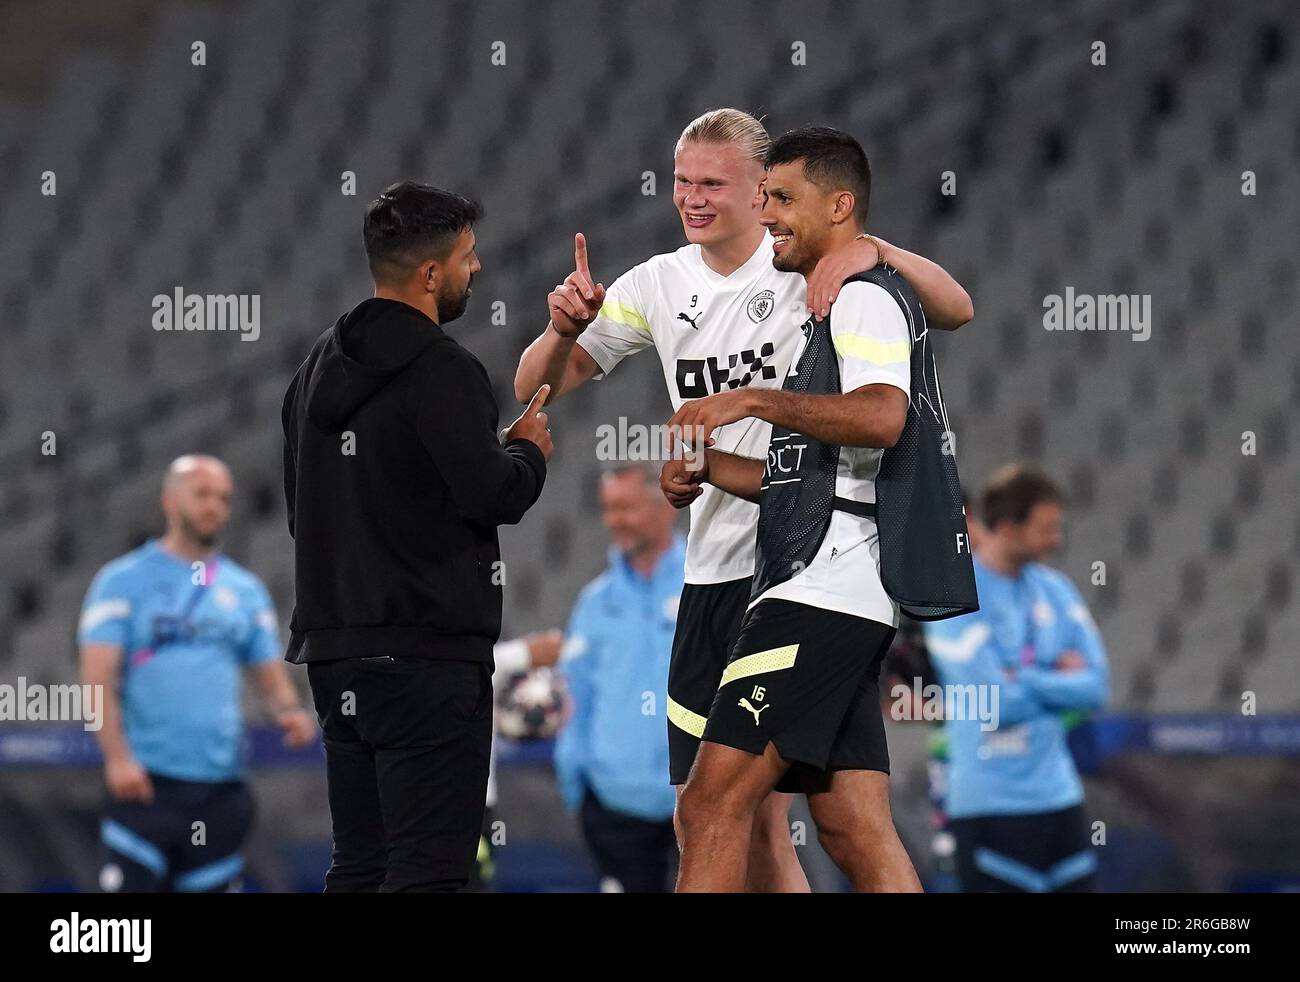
407 744
640 854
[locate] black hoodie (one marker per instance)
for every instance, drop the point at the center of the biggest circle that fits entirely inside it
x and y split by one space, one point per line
396 482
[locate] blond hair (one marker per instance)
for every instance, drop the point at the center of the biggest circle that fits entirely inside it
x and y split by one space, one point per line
728 126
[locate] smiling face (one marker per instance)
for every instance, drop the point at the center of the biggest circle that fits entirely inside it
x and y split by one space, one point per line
716 191
801 216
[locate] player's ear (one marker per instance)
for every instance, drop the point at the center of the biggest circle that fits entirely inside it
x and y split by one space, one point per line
842 209
430 271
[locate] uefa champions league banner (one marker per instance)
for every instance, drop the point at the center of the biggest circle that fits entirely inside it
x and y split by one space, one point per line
68 745
1198 734
1184 735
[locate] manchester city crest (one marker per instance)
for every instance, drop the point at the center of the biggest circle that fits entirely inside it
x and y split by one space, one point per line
760 305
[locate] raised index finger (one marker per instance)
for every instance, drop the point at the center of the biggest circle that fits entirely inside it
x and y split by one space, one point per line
538 400
580 255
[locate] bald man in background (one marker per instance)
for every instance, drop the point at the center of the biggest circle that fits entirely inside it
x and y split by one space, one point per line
167 631
611 760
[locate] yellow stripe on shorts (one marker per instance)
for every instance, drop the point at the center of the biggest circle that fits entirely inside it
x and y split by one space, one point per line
772 660
684 719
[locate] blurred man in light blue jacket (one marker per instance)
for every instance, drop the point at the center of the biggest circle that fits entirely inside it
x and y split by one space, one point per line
1032 656
611 759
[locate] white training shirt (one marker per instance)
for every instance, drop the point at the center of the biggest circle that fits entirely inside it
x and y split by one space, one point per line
873 344
713 333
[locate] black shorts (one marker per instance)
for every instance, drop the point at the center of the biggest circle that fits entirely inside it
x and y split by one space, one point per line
157 848
1045 852
708 622
807 680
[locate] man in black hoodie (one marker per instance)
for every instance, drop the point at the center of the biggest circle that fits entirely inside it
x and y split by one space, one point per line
395 482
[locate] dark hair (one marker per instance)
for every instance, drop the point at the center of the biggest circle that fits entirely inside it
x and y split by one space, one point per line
832 160
1013 491
409 223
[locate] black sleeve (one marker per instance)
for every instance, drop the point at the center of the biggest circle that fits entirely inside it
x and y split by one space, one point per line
457 421
287 423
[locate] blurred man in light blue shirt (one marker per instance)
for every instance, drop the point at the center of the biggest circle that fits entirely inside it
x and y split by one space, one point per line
611 759
1015 799
169 631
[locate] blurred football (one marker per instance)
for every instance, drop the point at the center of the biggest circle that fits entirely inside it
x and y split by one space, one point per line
530 705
